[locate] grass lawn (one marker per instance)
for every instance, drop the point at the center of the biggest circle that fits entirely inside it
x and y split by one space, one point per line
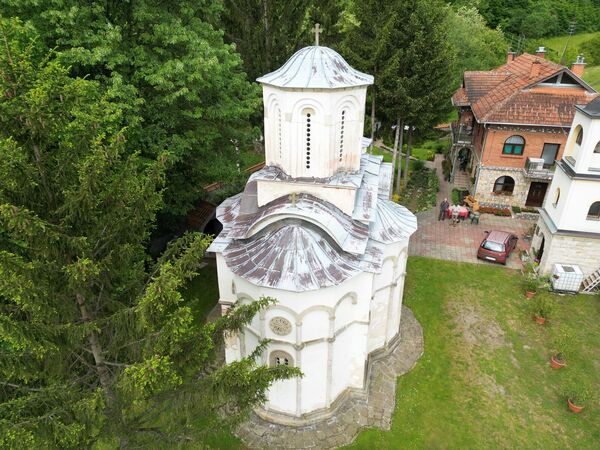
557 43
592 76
484 380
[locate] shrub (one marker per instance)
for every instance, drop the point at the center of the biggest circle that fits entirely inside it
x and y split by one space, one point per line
418 165
540 306
455 196
516 209
577 388
504 212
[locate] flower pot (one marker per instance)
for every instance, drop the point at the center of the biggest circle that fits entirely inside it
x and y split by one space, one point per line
556 363
573 407
529 294
539 319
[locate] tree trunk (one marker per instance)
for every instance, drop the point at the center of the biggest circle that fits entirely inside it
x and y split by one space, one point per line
267 37
96 348
407 160
395 153
372 121
399 173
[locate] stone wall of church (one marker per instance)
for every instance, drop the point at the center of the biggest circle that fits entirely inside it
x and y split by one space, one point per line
566 249
327 333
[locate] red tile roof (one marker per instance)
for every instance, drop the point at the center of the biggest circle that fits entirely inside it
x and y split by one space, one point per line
505 95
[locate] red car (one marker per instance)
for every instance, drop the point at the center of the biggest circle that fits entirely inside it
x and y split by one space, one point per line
497 246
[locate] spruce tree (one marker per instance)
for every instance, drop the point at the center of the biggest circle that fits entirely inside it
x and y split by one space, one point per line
97 344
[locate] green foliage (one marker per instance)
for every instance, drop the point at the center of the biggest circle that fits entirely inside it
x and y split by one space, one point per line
591 50
265 32
477 47
578 389
181 88
96 341
562 343
540 306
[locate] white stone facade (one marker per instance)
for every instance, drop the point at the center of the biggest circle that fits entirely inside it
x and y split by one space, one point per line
320 236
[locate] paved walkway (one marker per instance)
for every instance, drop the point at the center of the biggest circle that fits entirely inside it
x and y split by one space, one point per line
355 413
441 240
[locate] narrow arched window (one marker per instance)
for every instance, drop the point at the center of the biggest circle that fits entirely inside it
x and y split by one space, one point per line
579 138
514 145
597 148
594 211
342 123
280 144
504 185
308 116
279 358
556 196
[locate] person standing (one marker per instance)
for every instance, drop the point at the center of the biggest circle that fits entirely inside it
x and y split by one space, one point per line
443 209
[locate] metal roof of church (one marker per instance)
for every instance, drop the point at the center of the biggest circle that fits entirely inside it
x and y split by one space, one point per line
316 67
308 243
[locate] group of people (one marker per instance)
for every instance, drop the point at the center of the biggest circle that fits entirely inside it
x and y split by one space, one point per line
445 206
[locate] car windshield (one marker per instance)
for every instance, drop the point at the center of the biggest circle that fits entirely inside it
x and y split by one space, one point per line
493 246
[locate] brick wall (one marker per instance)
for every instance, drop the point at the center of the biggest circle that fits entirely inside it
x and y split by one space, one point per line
534 144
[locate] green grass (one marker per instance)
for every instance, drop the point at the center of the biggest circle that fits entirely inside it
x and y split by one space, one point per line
202 292
592 76
484 380
557 43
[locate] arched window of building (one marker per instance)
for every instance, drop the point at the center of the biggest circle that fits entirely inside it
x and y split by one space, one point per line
504 185
514 145
594 211
279 358
556 196
597 148
342 123
308 116
579 137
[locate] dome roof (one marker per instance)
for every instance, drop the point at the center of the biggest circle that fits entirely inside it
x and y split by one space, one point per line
296 257
316 68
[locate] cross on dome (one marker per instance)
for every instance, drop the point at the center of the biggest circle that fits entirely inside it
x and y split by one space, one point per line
317 30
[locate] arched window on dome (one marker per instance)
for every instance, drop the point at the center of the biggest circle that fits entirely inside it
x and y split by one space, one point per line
514 145
504 185
579 138
594 211
597 148
341 139
308 118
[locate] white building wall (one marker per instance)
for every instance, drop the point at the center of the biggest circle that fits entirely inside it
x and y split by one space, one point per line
326 107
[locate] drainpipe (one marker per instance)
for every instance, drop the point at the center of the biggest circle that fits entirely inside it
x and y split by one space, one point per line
480 159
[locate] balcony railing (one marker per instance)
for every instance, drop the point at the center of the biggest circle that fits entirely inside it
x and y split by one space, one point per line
536 168
461 133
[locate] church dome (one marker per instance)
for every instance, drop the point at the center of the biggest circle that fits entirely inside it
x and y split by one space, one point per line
316 67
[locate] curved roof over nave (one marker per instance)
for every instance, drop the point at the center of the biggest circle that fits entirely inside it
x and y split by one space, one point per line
316 67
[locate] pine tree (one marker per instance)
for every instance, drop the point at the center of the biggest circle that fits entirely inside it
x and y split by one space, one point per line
265 32
416 82
96 341
365 44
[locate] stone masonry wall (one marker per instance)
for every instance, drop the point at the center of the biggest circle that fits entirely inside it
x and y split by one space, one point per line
558 248
485 186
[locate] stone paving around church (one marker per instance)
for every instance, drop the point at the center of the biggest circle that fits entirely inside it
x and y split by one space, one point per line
355 414
441 240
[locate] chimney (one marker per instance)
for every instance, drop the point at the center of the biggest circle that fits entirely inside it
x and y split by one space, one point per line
541 52
535 69
578 66
510 57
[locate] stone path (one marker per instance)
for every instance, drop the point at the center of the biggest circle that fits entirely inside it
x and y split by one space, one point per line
354 414
441 240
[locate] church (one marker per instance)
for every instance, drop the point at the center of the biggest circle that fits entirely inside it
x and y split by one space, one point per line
316 230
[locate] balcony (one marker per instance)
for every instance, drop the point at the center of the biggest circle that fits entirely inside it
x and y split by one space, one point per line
535 168
461 134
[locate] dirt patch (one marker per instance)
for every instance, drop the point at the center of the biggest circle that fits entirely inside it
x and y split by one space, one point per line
476 329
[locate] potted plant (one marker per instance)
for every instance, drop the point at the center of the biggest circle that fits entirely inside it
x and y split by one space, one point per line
530 283
540 309
560 349
577 392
